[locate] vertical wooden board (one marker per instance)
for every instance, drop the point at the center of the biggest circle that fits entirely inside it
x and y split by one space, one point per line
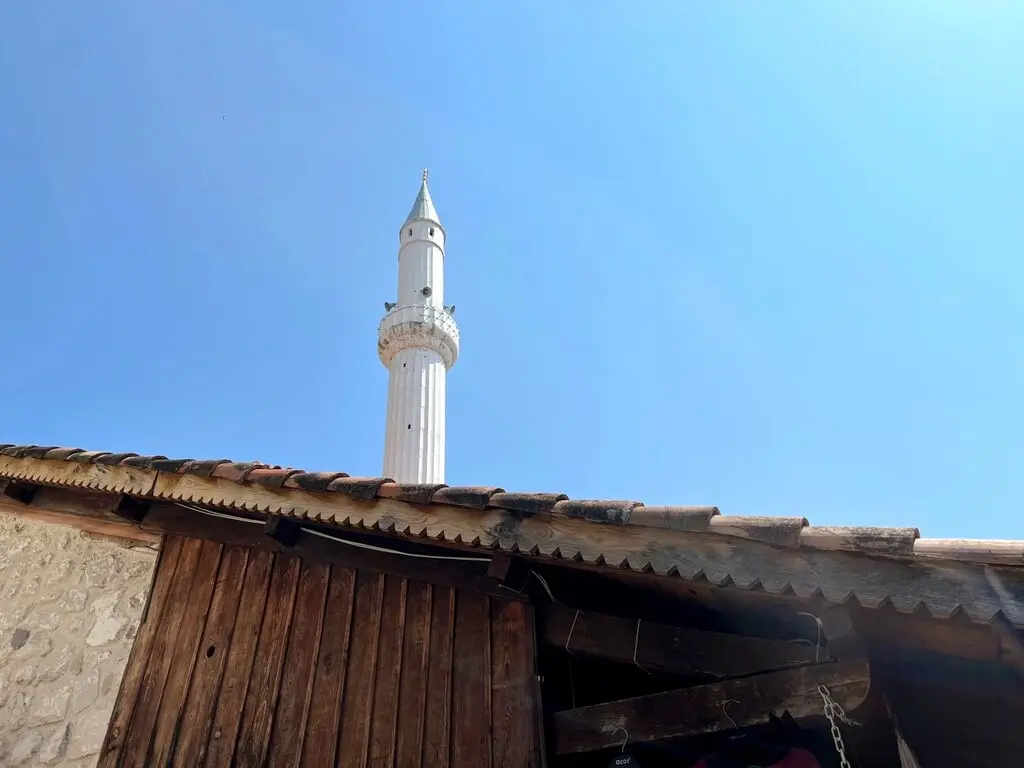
362 661
211 659
412 696
438 715
471 682
220 745
265 679
299 666
513 686
329 676
184 653
138 659
389 670
140 733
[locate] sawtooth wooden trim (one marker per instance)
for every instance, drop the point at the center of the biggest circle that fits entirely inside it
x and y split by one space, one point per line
994 552
97 477
709 708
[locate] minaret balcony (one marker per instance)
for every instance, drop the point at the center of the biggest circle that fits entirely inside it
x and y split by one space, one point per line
418 326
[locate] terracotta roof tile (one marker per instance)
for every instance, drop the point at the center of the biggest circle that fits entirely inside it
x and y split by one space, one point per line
271 478
784 531
411 493
61 454
87 457
475 497
113 459
674 518
235 471
978 551
171 466
358 487
142 462
37 451
312 481
16 451
883 541
597 511
527 503
201 468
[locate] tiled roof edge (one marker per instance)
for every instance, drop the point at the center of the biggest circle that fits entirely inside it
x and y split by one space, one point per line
789 532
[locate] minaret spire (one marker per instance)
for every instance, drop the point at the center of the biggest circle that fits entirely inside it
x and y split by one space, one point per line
418 341
423 207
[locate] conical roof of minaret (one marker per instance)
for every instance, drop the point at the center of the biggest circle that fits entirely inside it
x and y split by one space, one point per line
423 207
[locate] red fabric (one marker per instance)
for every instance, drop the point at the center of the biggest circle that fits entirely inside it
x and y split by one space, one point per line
795 758
798 758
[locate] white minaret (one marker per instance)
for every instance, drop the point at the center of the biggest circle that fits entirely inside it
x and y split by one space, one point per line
418 341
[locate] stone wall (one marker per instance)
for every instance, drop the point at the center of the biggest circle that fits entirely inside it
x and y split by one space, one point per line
70 604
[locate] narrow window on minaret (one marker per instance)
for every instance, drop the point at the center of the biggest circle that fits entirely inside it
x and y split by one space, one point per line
431 231
410 233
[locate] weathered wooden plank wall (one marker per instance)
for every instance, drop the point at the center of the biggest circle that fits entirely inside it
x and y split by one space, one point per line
248 658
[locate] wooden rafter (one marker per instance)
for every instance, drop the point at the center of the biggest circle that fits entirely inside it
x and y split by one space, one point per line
709 708
666 648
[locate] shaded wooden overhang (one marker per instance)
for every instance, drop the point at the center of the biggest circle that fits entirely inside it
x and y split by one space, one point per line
981 591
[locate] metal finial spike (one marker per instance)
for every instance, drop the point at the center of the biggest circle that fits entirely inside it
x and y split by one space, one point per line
425 174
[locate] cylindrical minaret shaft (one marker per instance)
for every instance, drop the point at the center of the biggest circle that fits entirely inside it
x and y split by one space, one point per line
418 341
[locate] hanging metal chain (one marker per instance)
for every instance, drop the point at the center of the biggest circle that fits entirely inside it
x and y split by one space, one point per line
835 712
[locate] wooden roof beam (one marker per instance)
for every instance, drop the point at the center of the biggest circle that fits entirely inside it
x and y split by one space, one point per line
666 648
711 708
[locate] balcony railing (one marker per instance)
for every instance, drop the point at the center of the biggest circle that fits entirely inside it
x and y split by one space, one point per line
421 314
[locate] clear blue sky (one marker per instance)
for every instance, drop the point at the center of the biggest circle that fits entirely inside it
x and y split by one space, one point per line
768 256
